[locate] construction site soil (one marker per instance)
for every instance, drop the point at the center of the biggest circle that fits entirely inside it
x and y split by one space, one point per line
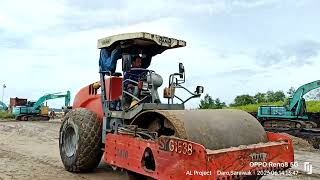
29 150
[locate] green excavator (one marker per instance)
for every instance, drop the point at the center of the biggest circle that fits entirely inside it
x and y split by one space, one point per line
37 110
3 106
292 118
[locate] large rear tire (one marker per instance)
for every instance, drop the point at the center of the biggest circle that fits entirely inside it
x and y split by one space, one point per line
80 141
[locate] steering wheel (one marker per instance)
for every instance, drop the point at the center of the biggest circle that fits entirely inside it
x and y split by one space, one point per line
144 75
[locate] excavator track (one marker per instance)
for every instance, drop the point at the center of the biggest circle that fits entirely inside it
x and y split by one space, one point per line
32 118
299 128
283 124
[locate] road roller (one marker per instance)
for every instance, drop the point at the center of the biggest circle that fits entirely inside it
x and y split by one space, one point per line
122 120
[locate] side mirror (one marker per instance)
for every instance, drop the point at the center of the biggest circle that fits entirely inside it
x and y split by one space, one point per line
181 70
199 89
126 62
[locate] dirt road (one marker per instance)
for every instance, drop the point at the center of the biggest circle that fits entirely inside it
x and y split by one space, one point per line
29 150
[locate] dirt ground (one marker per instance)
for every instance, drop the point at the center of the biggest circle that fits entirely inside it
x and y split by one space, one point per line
29 150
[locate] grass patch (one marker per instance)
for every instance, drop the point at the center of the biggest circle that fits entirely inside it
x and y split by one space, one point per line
5 115
312 106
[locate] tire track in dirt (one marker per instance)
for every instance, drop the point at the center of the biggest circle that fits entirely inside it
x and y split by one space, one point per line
17 166
29 150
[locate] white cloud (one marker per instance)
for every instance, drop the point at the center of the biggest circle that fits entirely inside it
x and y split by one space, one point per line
29 16
50 46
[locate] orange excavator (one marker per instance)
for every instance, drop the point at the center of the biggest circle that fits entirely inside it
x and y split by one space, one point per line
133 129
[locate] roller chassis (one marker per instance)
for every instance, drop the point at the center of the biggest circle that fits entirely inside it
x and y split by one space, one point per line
175 158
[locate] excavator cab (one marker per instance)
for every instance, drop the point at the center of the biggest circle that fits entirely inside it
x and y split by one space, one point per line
30 103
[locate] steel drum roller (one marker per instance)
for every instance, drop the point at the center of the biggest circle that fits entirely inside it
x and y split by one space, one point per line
215 129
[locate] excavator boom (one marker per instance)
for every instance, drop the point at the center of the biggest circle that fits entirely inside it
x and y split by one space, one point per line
3 106
46 97
296 103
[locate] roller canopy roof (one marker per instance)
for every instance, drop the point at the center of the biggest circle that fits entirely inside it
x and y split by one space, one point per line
140 40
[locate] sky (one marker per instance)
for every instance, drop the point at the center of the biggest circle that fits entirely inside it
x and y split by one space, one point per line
233 47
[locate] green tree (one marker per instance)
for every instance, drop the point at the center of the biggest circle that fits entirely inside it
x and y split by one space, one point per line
243 100
206 102
209 103
219 104
269 96
275 96
291 91
260 97
279 96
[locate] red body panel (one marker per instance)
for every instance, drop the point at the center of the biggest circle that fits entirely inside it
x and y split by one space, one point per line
127 152
89 98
